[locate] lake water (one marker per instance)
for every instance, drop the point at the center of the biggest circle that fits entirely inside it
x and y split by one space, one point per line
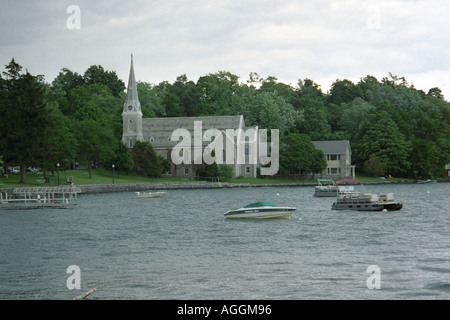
181 247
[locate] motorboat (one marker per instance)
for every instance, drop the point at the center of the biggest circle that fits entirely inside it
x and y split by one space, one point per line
426 181
261 210
150 194
328 188
364 201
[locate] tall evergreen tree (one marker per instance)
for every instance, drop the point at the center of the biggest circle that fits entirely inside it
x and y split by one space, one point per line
25 120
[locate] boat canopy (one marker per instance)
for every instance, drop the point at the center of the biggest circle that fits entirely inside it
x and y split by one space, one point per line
348 181
261 204
42 190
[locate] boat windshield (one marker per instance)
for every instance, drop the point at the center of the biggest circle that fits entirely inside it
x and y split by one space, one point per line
261 204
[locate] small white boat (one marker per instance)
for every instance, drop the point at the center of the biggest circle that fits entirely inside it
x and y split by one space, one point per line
328 188
426 181
364 201
150 194
260 210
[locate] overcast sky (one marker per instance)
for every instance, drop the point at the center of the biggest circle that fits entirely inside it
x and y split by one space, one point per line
288 39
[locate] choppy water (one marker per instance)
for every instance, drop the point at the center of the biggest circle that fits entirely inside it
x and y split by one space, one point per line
181 247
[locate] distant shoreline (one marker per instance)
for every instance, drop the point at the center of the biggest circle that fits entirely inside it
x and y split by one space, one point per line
133 187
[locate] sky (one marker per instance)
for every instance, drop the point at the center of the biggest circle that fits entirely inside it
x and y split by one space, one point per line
321 40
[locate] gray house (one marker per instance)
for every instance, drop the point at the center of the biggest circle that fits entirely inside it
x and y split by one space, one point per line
339 159
182 140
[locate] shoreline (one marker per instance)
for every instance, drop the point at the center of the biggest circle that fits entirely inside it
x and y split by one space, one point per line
133 187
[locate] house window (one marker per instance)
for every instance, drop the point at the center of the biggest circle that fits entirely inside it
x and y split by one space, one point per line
332 157
186 171
334 170
186 156
247 169
131 143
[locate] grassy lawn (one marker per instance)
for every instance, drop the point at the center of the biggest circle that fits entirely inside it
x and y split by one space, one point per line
102 176
79 177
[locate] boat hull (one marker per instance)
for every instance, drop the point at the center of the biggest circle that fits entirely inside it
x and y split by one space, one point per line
150 194
261 213
368 206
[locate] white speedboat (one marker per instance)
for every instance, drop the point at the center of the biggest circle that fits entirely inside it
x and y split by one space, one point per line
364 201
150 194
260 210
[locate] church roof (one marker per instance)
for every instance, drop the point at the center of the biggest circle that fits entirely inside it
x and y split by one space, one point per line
159 130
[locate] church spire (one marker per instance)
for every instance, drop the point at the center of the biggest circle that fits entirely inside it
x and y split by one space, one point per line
132 114
132 103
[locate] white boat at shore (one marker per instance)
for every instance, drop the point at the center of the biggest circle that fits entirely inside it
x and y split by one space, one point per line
328 188
426 181
150 194
260 210
364 201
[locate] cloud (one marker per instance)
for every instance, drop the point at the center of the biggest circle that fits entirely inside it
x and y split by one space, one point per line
291 40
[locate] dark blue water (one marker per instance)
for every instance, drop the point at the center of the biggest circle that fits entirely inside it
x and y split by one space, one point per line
181 247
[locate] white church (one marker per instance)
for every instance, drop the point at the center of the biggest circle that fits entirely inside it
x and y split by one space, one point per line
160 133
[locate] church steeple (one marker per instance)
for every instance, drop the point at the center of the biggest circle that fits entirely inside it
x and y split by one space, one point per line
132 114
132 103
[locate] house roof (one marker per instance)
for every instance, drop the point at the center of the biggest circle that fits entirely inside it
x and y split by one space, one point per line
333 146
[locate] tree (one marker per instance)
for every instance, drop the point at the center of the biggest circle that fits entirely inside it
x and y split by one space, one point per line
2 165
299 155
282 90
379 136
96 143
215 94
315 120
96 74
121 159
25 120
62 145
151 97
67 80
146 161
225 172
374 167
343 91
187 93
436 93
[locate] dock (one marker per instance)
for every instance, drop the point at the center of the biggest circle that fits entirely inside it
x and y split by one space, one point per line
40 197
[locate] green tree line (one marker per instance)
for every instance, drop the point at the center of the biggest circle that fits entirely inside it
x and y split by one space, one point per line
393 127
